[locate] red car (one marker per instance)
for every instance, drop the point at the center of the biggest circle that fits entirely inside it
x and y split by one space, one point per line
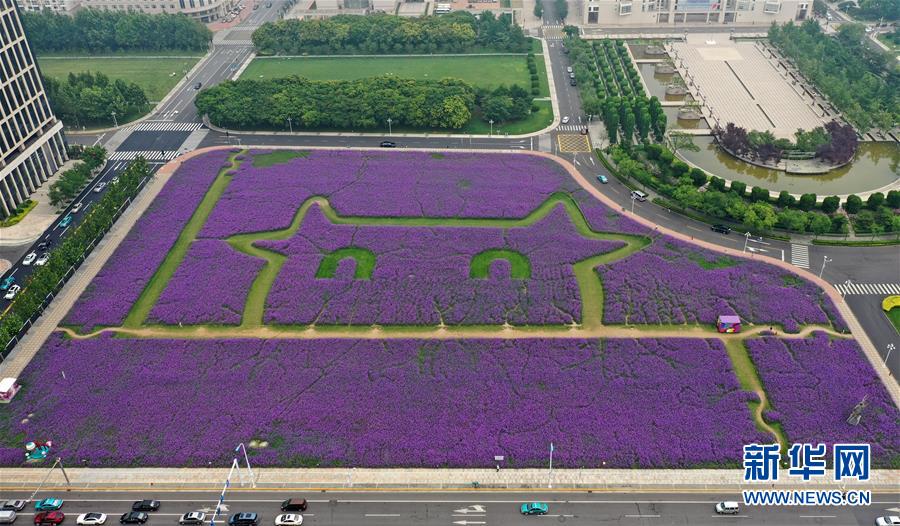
49 517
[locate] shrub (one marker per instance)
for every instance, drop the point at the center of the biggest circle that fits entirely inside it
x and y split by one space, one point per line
875 201
739 188
853 204
785 199
698 176
717 183
758 193
831 204
893 199
807 202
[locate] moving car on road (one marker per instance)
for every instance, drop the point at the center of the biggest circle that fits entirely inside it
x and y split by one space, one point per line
244 519
49 517
7 283
29 259
602 179
145 505
722 229
133 517
50 504
534 508
893 520
77 207
41 261
198 85
99 188
11 293
565 120
388 144
294 505
193 517
66 221
45 244
289 519
7 516
728 507
15 505
91 519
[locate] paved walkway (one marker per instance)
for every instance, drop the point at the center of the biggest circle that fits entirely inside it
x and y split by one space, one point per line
364 478
33 225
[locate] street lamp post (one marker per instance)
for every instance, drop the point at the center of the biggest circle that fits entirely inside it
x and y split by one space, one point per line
389 121
115 123
824 261
633 199
492 126
550 475
247 460
290 124
746 239
890 347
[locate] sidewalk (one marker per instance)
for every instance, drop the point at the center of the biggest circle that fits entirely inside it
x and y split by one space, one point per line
39 219
645 480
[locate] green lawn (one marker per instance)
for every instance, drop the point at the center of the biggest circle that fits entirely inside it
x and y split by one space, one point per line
536 121
486 71
152 74
894 316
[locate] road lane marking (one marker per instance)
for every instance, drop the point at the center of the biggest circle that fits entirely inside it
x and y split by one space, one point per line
643 516
817 516
382 514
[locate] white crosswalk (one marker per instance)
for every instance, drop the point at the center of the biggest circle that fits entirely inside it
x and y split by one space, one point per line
570 127
240 42
154 155
881 289
167 126
800 255
553 32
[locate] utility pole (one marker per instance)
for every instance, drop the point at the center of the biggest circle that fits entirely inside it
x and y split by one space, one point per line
550 475
746 239
390 132
115 123
492 127
824 261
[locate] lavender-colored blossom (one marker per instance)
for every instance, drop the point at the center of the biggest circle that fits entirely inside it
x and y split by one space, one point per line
421 274
210 286
628 403
109 297
672 281
814 384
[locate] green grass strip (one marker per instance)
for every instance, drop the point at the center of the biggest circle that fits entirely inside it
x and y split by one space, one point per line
149 296
266 160
364 258
749 379
519 266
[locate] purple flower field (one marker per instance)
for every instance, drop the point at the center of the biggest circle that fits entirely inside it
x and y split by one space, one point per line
120 282
646 403
813 385
675 282
210 286
421 275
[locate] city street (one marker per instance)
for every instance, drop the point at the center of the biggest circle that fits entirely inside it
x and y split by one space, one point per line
486 508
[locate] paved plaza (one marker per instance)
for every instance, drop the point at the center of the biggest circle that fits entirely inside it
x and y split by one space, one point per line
741 82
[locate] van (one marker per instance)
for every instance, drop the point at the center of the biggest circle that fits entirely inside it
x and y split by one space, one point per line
294 505
7 516
638 195
728 508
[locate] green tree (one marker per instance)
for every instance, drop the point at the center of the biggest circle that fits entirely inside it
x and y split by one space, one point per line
785 199
819 223
682 141
739 188
831 204
759 216
538 9
875 201
807 202
758 193
893 199
792 219
853 204
698 176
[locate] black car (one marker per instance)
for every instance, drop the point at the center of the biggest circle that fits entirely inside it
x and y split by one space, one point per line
134 517
198 85
388 144
572 82
145 505
722 229
44 245
244 519
294 505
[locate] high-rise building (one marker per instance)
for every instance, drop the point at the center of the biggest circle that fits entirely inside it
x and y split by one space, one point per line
31 142
672 13
202 10
65 7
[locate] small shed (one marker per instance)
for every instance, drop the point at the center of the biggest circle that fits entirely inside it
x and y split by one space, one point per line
8 389
728 324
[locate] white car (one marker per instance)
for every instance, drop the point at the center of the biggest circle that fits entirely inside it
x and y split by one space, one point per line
114 180
41 261
91 519
569 69
565 120
193 517
289 519
728 508
29 259
77 207
99 188
11 293
893 520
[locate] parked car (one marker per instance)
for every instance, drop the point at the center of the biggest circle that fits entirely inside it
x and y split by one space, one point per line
294 505
244 519
534 508
41 261
133 517
602 179
728 507
77 207
49 517
7 283
289 519
388 144
15 505
11 293
50 504
29 259
722 229
66 221
91 519
893 520
145 505
99 188
193 517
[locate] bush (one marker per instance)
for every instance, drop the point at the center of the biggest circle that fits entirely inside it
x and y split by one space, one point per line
698 176
717 183
807 202
840 225
759 193
739 188
785 199
893 199
679 169
875 201
831 204
853 204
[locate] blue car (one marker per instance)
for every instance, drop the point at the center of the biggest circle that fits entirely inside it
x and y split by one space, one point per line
66 221
7 283
535 508
602 179
48 505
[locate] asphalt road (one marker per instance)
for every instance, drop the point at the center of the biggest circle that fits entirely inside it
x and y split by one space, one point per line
484 508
